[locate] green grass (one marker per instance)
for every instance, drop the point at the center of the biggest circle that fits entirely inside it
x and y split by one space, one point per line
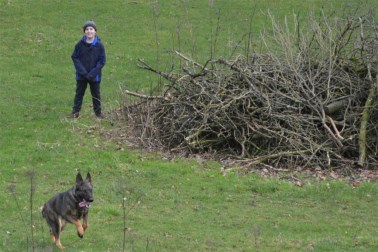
172 205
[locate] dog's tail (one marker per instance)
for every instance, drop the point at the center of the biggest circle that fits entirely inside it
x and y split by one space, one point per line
42 209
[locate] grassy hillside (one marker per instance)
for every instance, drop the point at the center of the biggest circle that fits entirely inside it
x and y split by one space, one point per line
170 204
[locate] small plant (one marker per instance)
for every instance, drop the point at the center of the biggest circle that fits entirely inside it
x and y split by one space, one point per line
256 236
126 210
30 238
31 176
13 192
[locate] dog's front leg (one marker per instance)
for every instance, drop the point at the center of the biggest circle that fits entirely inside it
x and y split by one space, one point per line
85 221
79 228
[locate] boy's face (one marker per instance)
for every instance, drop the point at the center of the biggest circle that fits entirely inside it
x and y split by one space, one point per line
90 32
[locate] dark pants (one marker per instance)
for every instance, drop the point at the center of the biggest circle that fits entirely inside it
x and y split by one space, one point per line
81 86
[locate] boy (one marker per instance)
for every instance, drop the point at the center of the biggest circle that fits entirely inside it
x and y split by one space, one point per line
88 58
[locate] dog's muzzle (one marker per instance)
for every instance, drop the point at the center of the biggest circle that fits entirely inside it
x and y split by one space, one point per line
85 204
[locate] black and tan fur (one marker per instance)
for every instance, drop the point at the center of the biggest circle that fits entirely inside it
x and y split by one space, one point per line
69 207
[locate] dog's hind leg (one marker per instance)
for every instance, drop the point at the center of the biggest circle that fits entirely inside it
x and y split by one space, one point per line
58 243
55 235
52 237
56 230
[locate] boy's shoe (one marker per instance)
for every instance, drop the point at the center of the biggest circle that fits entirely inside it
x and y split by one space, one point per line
73 115
100 116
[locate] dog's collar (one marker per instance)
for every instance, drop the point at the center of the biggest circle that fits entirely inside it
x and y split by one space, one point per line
84 204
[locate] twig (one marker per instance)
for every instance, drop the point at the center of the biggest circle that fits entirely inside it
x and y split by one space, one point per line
337 133
148 97
190 60
145 66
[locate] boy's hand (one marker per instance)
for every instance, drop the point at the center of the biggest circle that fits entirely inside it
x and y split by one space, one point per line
89 77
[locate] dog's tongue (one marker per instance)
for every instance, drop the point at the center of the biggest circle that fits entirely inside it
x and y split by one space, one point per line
84 204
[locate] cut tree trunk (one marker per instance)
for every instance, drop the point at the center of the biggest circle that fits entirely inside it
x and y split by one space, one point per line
365 121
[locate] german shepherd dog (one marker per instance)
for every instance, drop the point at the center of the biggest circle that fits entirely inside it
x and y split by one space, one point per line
69 206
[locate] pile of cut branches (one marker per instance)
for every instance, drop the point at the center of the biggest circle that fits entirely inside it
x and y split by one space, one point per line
310 101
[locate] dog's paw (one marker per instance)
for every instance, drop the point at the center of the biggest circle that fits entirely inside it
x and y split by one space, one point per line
59 245
80 231
80 235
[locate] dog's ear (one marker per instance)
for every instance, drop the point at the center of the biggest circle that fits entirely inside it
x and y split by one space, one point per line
79 178
89 178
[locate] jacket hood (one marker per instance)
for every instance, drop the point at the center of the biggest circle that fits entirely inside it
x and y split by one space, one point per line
95 41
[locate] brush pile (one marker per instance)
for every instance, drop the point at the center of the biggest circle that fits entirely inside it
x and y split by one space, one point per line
309 100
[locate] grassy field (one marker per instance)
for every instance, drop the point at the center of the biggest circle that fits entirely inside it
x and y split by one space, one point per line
166 204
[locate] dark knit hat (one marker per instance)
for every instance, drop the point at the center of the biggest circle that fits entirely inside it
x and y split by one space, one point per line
89 23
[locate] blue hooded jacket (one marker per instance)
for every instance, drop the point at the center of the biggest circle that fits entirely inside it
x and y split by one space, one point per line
89 59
